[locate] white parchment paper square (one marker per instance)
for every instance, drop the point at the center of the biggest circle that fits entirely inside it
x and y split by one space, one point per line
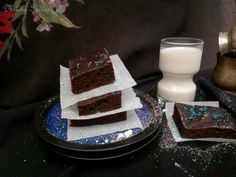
129 101
174 130
76 133
123 81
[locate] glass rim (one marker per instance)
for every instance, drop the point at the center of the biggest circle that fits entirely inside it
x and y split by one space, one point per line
172 41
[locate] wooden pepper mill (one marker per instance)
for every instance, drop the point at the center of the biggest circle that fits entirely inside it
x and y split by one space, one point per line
224 75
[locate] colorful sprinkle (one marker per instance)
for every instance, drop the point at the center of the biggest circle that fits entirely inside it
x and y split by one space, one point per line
99 63
78 65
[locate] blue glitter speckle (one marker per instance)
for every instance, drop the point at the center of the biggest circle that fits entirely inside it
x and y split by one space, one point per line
58 127
99 63
195 112
217 116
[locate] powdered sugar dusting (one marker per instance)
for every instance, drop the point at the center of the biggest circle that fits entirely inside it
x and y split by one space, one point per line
202 154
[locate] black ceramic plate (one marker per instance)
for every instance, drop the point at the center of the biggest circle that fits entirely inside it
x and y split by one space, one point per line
103 155
52 130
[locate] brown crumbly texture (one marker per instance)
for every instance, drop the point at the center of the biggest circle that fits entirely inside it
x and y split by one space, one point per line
102 103
99 121
204 122
91 71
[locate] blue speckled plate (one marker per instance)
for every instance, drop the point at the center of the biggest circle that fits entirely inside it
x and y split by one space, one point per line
53 131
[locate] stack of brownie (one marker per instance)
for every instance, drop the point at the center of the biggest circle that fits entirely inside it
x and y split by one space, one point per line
90 72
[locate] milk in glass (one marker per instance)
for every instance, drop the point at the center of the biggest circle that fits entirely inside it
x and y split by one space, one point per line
178 65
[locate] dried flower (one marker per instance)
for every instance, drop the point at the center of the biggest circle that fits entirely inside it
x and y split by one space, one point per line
43 26
4 18
58 5
45 12
36 18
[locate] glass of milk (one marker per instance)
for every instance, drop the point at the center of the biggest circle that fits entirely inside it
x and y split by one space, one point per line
180 59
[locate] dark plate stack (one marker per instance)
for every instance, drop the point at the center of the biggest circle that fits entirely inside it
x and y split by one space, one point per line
52 131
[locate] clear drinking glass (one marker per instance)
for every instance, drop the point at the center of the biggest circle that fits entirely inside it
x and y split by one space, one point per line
180 59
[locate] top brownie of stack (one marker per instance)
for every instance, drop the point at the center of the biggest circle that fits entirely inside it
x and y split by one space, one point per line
91 71
204 121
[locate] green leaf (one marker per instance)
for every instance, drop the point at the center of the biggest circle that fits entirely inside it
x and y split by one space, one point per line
9 50
23 27
5 46
17 3
18 41
18 15
46 12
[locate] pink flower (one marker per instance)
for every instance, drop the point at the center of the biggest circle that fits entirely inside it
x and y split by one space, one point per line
58 5
36 16
65 3
43 26
54 3
61 8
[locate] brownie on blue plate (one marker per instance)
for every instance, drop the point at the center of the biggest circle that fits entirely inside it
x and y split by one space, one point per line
100 120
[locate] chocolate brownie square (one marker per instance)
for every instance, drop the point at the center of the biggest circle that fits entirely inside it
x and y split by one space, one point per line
99 121
204 121
102 103
91 71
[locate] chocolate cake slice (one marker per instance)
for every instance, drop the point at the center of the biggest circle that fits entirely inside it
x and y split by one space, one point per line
91 71
102 103
204 121
98 121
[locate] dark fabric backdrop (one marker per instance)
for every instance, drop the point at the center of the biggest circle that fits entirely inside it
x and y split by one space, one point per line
132 29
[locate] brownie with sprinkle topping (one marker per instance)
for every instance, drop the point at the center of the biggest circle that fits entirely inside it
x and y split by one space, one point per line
103 103
100 120
91 71
204 121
